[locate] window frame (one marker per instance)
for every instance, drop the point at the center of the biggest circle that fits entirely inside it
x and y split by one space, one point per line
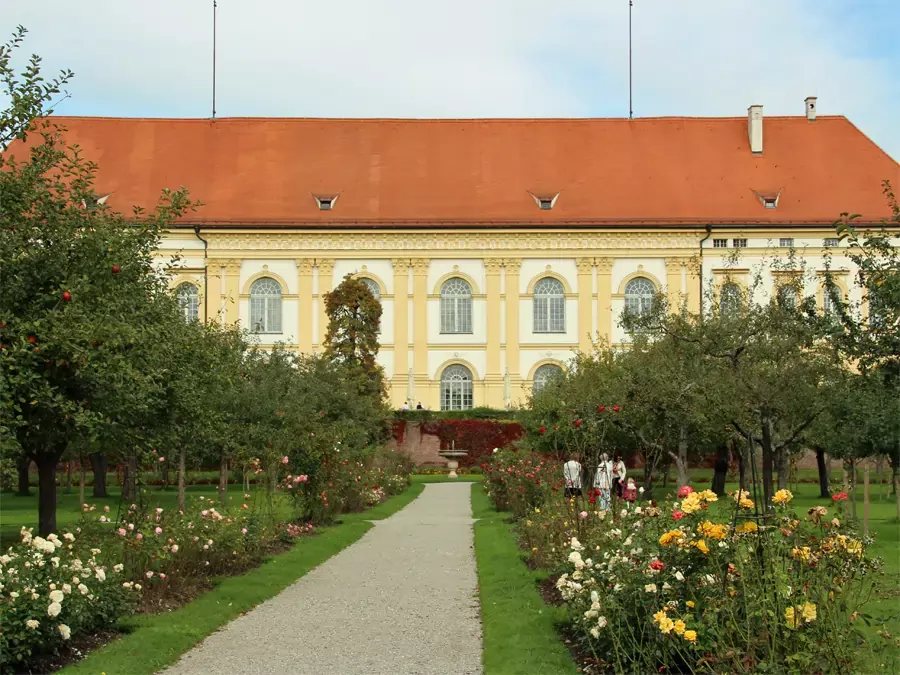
456 308
457 386
639 304
720 243
190 306
545 368
548 308
272 307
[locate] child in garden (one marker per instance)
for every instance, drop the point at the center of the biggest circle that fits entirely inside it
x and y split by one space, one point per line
630 491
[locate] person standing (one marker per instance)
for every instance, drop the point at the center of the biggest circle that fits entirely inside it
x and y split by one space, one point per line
603 481
619 475
405 406
419 406
572 476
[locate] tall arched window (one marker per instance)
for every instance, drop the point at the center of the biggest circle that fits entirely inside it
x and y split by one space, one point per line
730 299
456 306
189 299
831 298
549 306
787 297
456 388
372 286
639 294
265 306
545 374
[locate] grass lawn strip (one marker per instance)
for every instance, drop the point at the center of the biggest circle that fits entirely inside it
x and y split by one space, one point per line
519 629
156 641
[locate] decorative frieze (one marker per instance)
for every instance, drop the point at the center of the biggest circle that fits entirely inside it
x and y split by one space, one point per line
447 241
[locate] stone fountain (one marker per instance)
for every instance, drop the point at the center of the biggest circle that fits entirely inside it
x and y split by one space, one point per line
451 456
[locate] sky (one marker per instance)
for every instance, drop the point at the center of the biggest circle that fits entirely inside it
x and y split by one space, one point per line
473 58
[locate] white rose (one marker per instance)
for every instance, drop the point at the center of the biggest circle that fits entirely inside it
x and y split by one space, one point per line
13 595
650 588
54 609
101 575
679 576
602 622
83 589
64 631
57 596
118 568
595 633
67 589
31 623
137 587
68 536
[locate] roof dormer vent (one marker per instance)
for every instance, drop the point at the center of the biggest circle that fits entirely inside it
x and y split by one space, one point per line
325 202
545 203
769 200
755 128
811 108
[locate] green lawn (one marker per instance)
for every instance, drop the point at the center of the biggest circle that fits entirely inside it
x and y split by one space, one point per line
156 641
519 628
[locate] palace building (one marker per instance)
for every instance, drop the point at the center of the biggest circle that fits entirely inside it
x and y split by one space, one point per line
497 247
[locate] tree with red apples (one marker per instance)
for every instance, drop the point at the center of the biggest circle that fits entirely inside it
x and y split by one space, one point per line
81 302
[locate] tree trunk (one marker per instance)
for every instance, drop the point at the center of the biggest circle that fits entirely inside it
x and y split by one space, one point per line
720 471
781 465
681 461
130 479
223 479
23 464
99 465
181 479
69 477
822 463
80 480
46 463
768 460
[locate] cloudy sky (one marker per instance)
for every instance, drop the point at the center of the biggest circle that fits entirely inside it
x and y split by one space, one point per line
473 58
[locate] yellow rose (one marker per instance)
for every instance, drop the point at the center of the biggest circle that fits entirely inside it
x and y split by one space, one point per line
808 612
690 635
709 495
690 603
748 526
679 627
701 546
782 497
790 618
659 616
666 625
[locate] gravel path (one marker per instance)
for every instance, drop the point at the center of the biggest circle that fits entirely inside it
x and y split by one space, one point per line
400 600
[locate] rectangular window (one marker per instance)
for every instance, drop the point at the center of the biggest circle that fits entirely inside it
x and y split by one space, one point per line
549 315
832 242
739 243
456 315
786 242
720 243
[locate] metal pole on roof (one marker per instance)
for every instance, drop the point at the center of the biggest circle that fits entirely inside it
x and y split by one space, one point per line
630 105
214 62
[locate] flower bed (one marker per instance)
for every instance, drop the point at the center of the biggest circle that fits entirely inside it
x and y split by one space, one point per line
695 583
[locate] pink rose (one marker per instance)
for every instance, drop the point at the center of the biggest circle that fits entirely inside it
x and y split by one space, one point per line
130 527
174 548
684 491
139 536
162 576
203 513
121 531
583 514
243 531
161 459
158 530
285 460
303 479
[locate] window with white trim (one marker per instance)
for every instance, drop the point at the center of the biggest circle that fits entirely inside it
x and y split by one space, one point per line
265 306
456 388
549 306
456 306
639 294
729 299
739 243
720 243
786 242
372 285
545 374
188 298
832 242
831 299
787 297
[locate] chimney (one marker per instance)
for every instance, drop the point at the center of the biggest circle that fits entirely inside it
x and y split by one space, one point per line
811 108
754 128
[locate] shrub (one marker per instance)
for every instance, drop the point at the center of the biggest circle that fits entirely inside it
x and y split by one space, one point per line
53 590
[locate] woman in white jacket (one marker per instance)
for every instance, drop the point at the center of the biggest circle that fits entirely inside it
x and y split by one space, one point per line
603 481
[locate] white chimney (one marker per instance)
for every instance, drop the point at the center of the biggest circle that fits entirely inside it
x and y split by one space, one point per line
754 128
811 108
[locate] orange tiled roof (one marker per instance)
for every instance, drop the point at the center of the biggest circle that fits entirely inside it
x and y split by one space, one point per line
257 171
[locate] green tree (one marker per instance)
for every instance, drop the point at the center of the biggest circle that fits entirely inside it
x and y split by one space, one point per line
354 315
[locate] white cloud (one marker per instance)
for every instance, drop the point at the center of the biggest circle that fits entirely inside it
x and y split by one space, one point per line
466 58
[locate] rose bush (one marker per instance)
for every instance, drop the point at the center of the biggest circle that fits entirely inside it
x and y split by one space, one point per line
54 590
695 583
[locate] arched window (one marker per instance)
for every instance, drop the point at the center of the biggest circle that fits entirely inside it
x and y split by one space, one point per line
730 299
545 374
189 300
639 294
372 286
456 388
831 299
456 306
787 297
265 306
549 306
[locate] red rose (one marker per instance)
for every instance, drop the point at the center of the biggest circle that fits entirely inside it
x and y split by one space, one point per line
592 500
115 269
542 430
32 339
616 408
657 565
840 496
677 515
597 492
601 408
66 296
577 424
684 491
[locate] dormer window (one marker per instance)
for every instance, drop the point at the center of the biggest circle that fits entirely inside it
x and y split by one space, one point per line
545 202
325 202
769 200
